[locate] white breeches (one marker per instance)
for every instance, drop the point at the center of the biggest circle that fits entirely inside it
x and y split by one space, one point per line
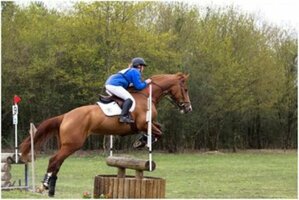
122 93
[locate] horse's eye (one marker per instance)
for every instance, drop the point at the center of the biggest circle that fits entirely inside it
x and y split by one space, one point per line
186 90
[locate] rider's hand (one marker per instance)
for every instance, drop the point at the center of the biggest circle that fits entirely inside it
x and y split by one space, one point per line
148 81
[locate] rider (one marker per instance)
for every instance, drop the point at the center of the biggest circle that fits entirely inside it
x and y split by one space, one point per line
117 84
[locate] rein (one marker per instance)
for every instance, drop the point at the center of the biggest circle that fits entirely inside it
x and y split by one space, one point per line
164 93
159 87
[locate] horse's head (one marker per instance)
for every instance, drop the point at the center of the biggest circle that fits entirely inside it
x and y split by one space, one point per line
179 93
174 85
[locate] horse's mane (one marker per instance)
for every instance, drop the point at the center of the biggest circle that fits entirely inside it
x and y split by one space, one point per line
160 76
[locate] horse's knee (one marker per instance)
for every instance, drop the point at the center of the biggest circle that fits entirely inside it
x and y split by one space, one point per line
158 125
156 131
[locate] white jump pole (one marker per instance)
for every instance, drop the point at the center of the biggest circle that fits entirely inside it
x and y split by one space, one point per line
15 122
32 133
16 133
111 145
149 127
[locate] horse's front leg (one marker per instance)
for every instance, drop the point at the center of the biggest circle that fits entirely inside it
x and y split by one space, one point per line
157 129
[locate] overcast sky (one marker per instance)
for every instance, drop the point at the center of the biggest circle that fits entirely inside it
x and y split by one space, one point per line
279 12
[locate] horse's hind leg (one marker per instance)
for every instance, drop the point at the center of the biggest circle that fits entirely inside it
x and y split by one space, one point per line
55 163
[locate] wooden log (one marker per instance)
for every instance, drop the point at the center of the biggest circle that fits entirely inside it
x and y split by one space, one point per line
5 176
130 163
128 187
5 167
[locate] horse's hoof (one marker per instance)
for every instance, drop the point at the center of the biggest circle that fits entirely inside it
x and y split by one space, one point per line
40 189
51 194
138 144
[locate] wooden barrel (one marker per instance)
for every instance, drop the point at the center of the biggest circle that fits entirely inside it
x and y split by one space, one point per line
7 158
5 167
110 186
5 183
5 176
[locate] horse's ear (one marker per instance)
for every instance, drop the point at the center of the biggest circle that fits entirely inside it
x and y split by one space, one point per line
187 76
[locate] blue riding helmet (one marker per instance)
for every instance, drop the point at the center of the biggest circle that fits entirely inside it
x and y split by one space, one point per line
138 61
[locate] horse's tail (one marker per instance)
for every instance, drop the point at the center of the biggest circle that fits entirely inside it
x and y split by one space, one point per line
46 129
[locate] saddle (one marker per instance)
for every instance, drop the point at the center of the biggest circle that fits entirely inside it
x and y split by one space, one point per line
108 99
111 106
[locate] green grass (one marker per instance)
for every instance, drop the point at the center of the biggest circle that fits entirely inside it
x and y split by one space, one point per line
252 174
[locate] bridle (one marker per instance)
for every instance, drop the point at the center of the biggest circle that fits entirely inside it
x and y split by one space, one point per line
180 104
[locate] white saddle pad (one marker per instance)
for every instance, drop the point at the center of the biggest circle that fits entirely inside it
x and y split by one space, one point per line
110 109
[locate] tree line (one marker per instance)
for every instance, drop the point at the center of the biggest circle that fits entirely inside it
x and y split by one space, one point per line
243 70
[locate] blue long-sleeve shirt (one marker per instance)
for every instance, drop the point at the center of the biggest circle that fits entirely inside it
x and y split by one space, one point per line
126 78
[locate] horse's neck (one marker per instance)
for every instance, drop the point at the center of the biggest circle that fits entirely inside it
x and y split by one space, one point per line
161 86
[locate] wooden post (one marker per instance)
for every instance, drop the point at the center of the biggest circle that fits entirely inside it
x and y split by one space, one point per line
139 174
121 172
32 133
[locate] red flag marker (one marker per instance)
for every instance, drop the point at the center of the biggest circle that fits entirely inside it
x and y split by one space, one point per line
16 99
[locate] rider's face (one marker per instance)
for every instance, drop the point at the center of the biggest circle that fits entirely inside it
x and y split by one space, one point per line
141 67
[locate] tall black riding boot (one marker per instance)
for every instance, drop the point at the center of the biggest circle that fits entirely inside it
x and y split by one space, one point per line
52 184
124 116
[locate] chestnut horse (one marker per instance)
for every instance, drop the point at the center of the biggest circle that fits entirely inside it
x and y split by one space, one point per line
73 127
